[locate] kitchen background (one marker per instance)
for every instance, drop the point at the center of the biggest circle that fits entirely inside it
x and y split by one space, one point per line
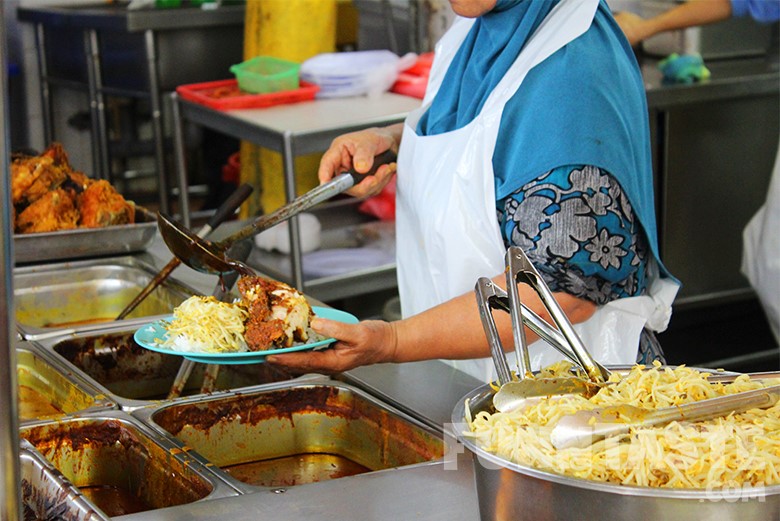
724 140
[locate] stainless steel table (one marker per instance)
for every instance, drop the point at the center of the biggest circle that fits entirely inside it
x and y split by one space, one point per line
110 50
294 129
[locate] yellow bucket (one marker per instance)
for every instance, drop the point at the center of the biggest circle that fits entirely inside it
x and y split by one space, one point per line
292 30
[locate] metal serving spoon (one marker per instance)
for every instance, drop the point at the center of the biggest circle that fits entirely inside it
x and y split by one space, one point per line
210 257
225 210
584 428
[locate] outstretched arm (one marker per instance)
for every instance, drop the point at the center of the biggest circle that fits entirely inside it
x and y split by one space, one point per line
689 14
452 330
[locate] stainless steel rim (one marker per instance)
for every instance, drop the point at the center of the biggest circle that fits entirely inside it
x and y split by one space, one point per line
459 425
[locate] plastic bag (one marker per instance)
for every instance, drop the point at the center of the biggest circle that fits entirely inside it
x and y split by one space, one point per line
761 252
342 74
278 237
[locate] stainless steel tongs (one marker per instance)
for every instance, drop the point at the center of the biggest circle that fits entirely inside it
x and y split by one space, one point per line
515 391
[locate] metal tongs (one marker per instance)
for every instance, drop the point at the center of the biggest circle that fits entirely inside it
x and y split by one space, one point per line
516 390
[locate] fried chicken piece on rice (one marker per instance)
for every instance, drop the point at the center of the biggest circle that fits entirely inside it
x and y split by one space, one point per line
261 331
278 314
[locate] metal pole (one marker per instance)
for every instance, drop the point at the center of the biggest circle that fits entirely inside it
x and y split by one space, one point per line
10 493
45 89
291 190
180 160
157 117
97 105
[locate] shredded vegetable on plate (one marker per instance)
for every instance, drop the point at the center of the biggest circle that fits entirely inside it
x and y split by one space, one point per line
736 450
204 324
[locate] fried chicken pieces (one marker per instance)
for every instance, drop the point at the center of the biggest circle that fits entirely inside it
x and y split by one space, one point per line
101 205
54 211
48 195
278 314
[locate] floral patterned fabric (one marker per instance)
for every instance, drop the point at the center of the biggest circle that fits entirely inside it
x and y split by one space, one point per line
578 229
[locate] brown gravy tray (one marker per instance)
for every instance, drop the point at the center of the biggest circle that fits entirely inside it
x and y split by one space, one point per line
296 434
47 495
122 467
83 243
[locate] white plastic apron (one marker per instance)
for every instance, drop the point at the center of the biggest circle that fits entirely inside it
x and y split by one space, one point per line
447 230
761 252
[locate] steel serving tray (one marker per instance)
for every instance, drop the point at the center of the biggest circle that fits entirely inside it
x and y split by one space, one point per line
47 494
132 376
86 294
121 465
87 242
48 390
296 434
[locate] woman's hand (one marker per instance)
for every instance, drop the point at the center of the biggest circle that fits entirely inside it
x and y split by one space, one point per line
633 26
365 343
357 149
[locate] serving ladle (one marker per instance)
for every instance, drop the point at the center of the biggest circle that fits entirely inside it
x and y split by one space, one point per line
522 389
198 253
211 257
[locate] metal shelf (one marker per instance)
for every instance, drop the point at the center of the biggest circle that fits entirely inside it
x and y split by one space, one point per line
296 129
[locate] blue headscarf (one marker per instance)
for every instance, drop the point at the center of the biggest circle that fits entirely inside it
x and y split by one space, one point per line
584 105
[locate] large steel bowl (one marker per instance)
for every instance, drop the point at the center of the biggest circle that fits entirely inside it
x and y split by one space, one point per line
508 491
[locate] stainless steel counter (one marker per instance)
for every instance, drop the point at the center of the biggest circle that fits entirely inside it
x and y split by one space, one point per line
736 78
291 129
116 17
431 493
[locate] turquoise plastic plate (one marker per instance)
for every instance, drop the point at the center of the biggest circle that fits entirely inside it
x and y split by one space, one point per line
152 335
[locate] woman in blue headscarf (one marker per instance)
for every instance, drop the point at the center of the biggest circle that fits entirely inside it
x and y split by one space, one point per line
533 133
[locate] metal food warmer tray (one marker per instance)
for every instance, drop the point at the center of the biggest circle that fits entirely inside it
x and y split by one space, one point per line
87 242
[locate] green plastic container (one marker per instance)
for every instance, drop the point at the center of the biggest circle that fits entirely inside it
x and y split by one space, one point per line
264 74
167 4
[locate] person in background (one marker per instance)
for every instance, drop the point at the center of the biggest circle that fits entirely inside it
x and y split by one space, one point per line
761 242
533 132
693 13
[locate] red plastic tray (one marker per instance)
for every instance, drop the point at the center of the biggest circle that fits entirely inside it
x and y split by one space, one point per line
225 95
414 80
410 85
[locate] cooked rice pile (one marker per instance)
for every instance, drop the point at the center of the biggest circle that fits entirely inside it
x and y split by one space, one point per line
737 450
